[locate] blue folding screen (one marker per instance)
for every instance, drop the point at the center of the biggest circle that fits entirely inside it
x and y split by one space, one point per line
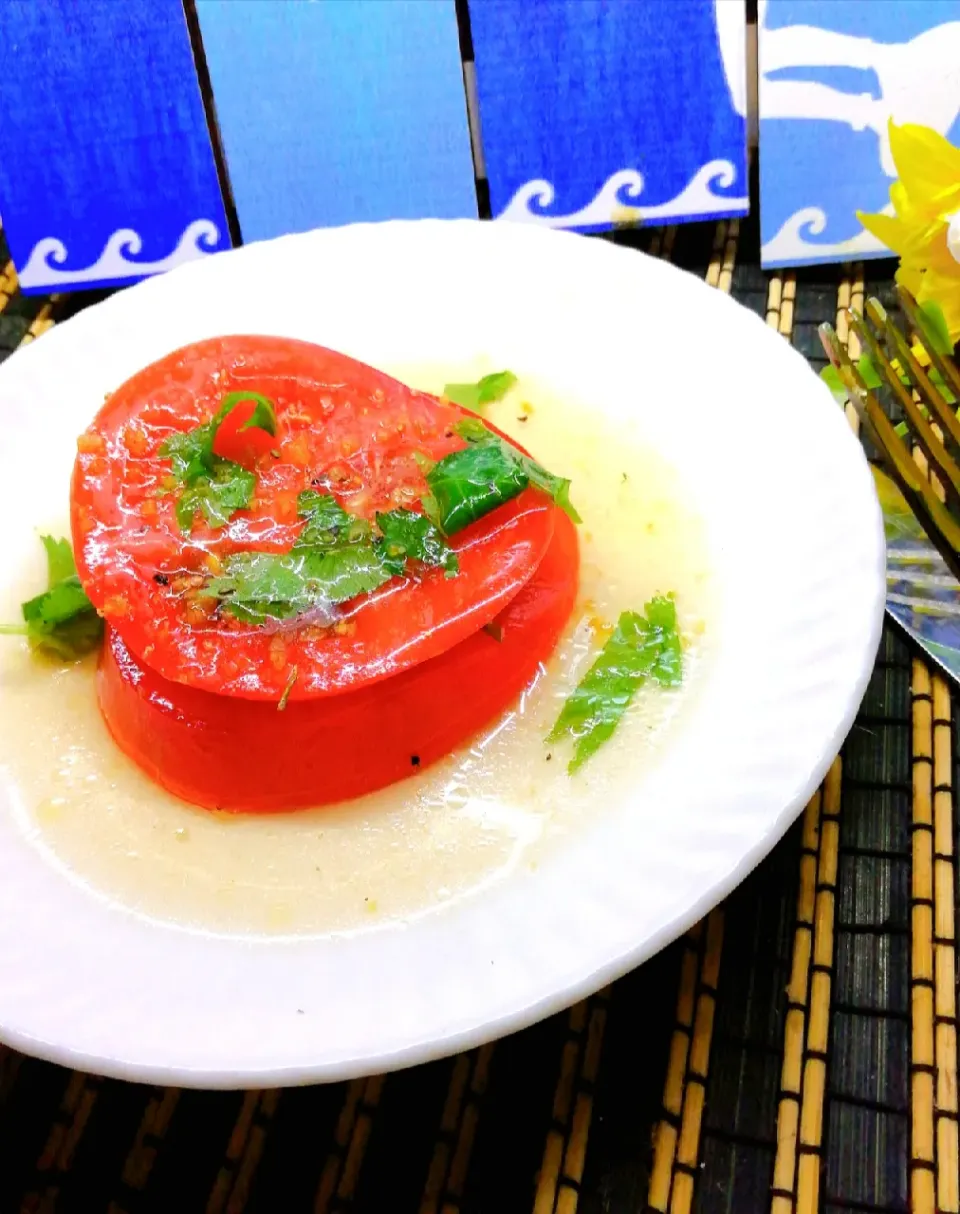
339 111
832 74
106 168
594 111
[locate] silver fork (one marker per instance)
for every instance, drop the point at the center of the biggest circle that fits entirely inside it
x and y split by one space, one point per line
917 437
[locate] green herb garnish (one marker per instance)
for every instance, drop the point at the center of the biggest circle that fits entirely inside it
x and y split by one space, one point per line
407 535
257 586
215 486
661 615
338 557
61 620
219 496
484 392
469 483
335 559
641 647
328 524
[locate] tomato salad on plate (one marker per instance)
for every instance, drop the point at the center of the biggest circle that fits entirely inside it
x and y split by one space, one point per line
309 581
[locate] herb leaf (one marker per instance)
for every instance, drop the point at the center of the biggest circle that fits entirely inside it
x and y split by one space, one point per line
335 559
410 536
230 489
523 468
60 562
471 482
256 586
641 646
484 392
327 522
61 620
662 619
218 487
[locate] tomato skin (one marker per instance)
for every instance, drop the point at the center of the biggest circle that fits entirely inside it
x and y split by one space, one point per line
245 756
342 427
244 446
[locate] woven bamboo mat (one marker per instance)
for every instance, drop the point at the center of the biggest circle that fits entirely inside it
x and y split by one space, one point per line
797 1051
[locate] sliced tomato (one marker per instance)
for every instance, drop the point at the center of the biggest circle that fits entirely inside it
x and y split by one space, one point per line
246 756
239 440
342 427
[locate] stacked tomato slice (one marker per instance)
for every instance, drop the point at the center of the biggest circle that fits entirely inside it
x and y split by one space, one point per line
291 713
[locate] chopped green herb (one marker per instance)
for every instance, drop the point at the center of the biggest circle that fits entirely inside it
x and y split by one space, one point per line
257 586
61 620
474 430
410 536
60 562
328 523
662 617
484 392
335 559
230 488
641 646
218 487
471 482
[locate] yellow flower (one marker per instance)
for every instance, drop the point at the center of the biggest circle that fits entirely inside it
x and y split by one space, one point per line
925 198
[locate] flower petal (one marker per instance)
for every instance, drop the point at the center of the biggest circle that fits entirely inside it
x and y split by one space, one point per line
888 230
928 166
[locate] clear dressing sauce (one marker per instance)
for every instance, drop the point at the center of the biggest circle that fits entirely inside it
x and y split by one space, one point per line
492 809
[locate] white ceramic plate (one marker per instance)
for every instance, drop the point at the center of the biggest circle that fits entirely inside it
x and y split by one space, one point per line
796 538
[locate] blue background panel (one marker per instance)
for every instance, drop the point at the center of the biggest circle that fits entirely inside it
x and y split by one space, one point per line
589 106
832 73
339 111
106 168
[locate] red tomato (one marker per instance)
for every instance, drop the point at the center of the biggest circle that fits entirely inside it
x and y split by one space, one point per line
342 427
220 752
243 446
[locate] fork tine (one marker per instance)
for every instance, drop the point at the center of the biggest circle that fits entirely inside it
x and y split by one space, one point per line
932 514
932 446
921 325
928 390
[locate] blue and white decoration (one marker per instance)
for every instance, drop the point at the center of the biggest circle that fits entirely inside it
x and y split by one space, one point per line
832 75
339 111
596 112
106 170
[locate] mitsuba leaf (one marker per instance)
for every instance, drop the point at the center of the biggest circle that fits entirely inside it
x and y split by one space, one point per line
61 620
483 392
640 647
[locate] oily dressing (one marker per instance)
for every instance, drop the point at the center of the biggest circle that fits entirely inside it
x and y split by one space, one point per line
496 807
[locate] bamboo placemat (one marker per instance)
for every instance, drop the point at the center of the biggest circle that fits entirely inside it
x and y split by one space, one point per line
797 1051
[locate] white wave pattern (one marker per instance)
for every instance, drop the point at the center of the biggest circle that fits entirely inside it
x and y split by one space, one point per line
616 200
42 268
790 245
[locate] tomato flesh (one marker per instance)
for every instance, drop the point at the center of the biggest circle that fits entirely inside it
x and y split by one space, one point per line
241 755
344 428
